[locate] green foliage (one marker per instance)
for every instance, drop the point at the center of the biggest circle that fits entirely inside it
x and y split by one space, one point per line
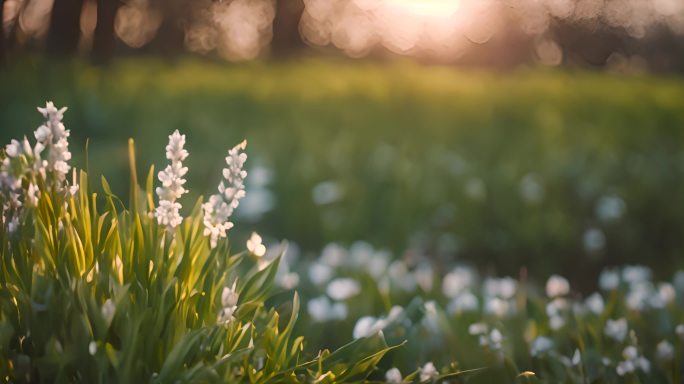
94 291
402 142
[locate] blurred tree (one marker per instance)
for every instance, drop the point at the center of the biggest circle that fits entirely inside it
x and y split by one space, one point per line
2 32
170 38
65 27
286 38
104 39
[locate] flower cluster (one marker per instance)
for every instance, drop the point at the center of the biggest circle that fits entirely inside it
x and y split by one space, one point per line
53 137
168 211
23 166
220 207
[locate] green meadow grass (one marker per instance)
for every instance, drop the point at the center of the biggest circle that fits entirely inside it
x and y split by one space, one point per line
401 141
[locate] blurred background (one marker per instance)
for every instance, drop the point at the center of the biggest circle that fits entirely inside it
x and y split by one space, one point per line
544 135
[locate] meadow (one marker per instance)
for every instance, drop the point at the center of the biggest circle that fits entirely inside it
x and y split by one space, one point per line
409 194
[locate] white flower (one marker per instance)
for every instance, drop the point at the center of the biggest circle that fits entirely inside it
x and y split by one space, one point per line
595 303
498 307
320 309
255 246
456 281
225 315
609 279
504 288
220 207
540 345
343 288
557 286
229 296
428 372
610 208
477 328
424 277
665 351
634 274
216 215
464 302
679 330
92 348
633 361
393 376
366 326
320 273
333 255
593 240
666 293
168 211
616 329
108 311
53 137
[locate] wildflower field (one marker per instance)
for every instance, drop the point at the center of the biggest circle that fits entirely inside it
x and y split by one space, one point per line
320 220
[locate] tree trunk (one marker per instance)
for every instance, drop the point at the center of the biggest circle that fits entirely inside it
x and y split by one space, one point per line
3 49
286 38
65 27
104 39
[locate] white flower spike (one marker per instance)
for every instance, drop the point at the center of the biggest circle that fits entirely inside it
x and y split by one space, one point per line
220 207
168 211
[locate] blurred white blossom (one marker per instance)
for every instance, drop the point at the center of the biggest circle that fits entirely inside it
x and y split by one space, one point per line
557 286
633 361
616 329
343 288
428 372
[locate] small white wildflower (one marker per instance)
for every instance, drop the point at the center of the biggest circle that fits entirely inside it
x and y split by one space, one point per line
225 315
679 330
665 351
557 286
108 311
457 280
594 240
255 246
632 361
320 273
343 288
595 303
366 326
168 211
498 307
428 372
504 288
540 345
229 296
634 274
393 376
477 328
320 309
333 255
616 329
531 189
610 208
464 302
32 195
666 293
576 357
609 279
92 348
424 276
